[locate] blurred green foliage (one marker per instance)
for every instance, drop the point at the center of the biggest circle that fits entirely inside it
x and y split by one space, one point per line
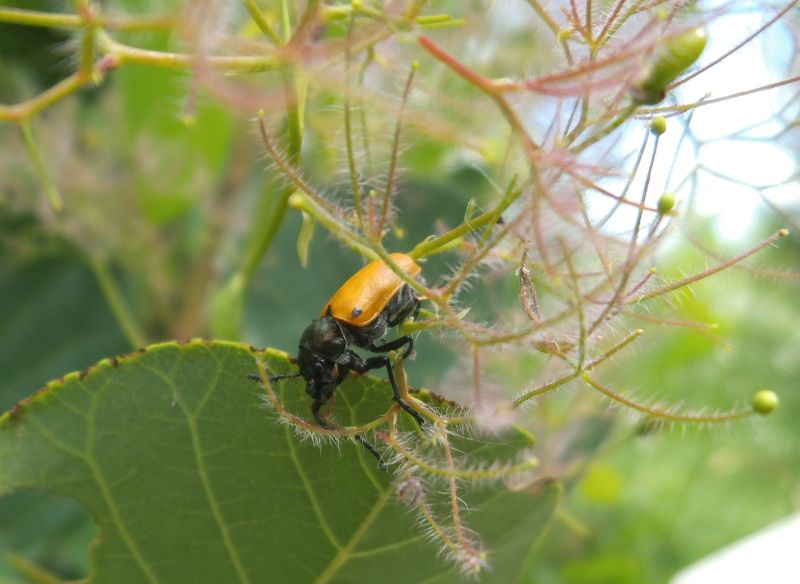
658 502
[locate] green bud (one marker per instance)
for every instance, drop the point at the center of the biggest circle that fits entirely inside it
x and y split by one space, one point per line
765 402
658 125
666 203
304 238
674 58
297 201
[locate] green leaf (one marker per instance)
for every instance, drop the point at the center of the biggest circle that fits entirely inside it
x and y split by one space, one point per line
191 479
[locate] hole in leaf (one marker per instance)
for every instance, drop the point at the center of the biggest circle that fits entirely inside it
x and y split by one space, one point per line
45 532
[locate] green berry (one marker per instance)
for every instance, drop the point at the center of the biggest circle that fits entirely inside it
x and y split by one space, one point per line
658 125
666 203
765 401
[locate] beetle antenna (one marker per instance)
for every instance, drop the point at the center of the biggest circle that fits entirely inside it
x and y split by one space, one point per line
257 378
287 376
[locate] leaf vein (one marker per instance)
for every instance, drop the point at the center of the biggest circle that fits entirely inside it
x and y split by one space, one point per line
347 552
105 491
197 447
309 491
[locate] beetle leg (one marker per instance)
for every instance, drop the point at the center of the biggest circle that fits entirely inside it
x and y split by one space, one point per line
416 309
315 407
411 305
392 345
342 371
324 423
372 450
383 361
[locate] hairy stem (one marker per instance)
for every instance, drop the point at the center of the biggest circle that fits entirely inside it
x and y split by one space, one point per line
664 414
710 272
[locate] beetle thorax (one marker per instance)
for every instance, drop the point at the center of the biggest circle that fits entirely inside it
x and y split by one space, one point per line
324 338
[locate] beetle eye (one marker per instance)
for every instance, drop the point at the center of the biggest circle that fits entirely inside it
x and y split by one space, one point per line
318 366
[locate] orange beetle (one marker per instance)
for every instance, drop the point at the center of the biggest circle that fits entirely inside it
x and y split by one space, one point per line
368 292
358 314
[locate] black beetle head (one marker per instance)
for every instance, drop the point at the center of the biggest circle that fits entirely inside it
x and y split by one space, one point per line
322 345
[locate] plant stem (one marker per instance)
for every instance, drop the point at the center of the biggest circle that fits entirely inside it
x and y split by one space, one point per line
261 22
431 246
87 52
545 16
390 179
469 474
548 387
295 135
40 167
124 54
24 110
286 24
664 414
613 350
348 132
603 132
709 272
348 237
37 18
72 21
578 303
125 320
414 8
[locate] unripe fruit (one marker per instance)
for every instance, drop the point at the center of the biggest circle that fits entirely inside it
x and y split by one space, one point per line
666 203
765 402
658 125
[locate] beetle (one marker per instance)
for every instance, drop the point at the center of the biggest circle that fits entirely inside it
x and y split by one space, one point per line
358 314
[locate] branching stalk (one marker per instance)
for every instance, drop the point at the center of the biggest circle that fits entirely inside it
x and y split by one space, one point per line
707 273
